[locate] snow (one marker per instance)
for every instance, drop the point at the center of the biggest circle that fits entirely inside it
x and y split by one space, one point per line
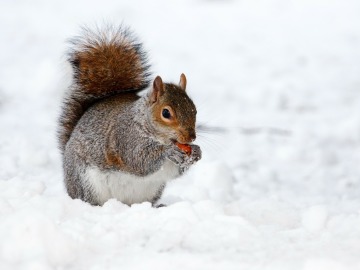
279 183
314 218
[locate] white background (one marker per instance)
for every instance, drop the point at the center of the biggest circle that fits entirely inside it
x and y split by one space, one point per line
279 183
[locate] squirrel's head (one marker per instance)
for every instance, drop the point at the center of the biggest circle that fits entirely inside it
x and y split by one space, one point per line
173 112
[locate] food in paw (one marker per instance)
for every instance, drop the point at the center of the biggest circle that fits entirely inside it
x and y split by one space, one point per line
184 147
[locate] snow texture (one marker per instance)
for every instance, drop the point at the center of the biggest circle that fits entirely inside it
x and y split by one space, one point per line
279 183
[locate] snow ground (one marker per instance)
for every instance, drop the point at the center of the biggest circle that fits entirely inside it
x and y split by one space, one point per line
279 183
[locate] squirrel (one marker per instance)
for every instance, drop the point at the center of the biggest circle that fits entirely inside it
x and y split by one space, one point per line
117 142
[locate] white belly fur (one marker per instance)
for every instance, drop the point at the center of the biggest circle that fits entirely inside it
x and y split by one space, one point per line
129 188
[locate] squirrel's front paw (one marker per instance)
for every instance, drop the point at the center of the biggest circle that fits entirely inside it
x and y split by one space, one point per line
194 156
195 153
183 159
176 155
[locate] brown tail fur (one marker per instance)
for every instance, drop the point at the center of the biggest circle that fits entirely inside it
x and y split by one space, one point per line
105 62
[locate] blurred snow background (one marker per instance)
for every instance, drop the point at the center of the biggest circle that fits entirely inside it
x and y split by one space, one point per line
279 183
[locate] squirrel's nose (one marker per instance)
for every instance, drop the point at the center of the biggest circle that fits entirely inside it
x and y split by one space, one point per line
192 135
187 136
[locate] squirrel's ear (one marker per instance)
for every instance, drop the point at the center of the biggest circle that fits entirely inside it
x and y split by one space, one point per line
158 89
182 82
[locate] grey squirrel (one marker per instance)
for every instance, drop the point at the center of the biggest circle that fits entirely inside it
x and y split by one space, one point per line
114 142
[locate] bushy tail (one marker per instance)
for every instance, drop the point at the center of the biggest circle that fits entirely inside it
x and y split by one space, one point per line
105 62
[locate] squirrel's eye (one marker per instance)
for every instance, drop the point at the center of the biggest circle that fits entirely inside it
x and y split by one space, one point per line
166 113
